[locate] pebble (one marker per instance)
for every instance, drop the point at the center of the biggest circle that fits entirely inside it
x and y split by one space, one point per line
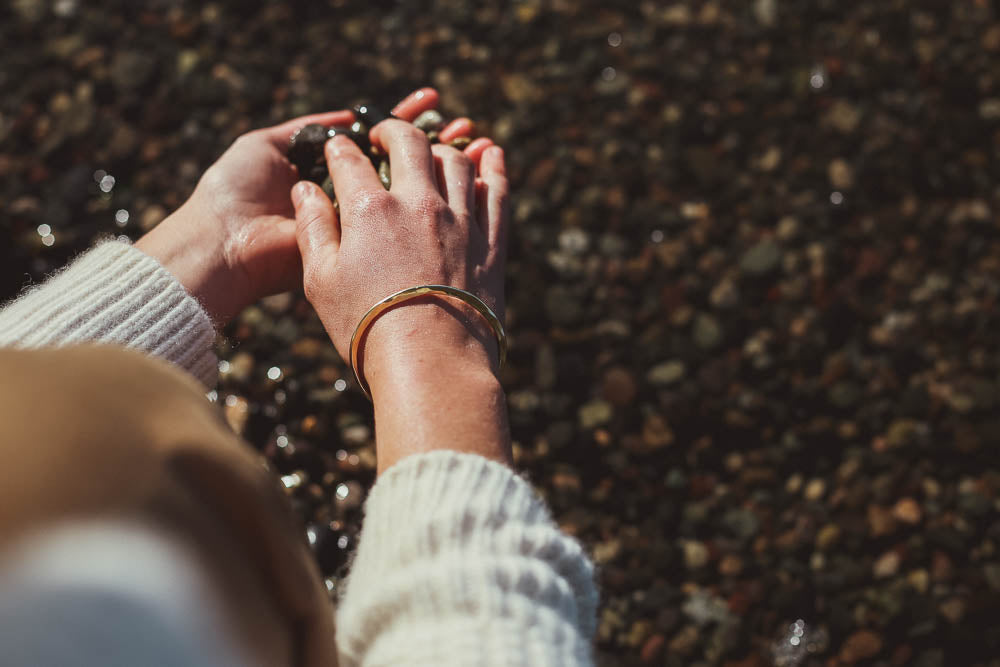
766 12
840 174
305 151
684 642
862 645
828 535
656 432
725 294
908 511
695 554
919 580
131 69
762 258
844 116
953 609
652 648
666 373
741 523
887 565
429 121
385 174
618 386
990 109
595 413
707 332
731 565
236 411
815 489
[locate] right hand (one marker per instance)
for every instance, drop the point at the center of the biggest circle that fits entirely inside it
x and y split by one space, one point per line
438 224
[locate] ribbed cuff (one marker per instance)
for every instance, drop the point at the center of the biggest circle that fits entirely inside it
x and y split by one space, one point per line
452 538
115 294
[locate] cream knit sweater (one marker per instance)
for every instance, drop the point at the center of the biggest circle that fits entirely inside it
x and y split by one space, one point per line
459 561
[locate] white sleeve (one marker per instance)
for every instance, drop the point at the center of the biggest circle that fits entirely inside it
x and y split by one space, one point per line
460 563
115 294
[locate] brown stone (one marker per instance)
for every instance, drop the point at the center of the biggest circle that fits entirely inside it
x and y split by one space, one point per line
862 645
880 521
652 648
618 386
908 511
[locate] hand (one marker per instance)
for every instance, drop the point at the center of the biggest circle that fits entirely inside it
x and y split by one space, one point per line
430 364
233 241
439 224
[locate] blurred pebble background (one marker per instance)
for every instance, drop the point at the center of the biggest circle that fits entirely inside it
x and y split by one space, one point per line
753 282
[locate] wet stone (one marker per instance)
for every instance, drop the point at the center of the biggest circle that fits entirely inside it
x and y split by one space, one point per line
666 373
305 151
707 332
385 174
761 258
370 115
429 121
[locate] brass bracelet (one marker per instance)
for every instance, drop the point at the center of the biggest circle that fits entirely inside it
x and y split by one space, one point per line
412 293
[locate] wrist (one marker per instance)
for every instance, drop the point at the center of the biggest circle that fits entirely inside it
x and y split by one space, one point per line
425 339
433 381
195 256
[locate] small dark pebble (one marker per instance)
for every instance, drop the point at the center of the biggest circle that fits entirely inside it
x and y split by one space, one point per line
369 114
331 543
305 151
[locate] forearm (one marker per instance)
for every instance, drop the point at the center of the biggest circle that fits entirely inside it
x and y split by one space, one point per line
435 390
194 262
459 561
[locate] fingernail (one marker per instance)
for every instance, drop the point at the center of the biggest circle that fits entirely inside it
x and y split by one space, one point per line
300 192
336 145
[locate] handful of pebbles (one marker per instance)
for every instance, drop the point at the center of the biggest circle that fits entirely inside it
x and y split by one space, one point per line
305 148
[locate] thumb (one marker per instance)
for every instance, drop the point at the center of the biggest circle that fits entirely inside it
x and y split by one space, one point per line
317 227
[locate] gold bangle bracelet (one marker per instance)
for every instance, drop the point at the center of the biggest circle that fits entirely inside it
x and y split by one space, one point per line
412 293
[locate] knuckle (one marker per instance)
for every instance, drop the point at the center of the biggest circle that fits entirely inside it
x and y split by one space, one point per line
453 155
368 205
429 204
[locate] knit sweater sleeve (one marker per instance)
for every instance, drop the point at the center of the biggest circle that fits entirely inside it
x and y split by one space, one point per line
460 563
115 294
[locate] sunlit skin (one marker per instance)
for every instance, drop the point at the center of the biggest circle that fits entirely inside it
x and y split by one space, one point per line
233 241
430 364
251 229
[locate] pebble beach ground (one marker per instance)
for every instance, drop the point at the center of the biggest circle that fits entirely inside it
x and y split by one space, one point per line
753 282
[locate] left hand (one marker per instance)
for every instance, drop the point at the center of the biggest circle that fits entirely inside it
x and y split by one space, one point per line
233 241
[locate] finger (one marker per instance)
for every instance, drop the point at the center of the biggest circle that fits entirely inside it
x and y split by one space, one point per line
457 180
415 104
476 148
317 229
352 173
409 153
460 127
494 175
279 135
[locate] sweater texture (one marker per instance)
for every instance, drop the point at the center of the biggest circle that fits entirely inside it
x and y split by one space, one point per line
459 561
120 295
